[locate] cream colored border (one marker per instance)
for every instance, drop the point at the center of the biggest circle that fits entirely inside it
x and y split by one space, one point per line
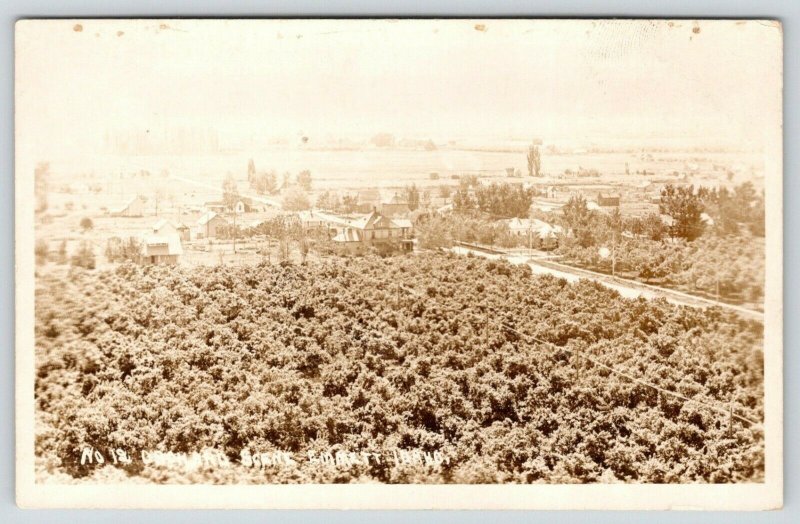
768 495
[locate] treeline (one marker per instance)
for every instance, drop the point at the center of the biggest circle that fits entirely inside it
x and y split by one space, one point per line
445 231
707 241
730 269
496 200
267 182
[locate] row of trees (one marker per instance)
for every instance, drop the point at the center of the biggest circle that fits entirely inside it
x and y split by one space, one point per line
726 213
497 200
266 182
83 256
731 268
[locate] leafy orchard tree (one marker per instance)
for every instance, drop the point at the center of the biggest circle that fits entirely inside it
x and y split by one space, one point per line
295 199
84 257
304 179
251 170
579 219
468 181
120 250
265 183
411 194
329 201
86 224
349 203
61 254
463 201
504 200
685 207
230 193
534 161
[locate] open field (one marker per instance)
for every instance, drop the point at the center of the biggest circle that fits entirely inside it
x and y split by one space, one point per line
390 168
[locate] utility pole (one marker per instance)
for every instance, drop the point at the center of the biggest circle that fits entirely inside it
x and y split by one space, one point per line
530 240
614 253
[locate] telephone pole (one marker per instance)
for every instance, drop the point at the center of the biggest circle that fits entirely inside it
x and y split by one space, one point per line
234 229
614 253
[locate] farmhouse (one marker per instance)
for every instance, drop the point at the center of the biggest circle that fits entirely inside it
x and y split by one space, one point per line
541 234
162 249
374 230
209 225
132 207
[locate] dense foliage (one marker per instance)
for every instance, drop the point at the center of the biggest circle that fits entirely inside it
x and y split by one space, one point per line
498 200
730 268
444 231
337 355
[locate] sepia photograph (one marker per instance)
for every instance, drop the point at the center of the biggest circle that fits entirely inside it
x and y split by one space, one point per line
419 263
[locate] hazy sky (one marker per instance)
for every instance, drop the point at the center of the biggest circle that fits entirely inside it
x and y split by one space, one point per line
413 78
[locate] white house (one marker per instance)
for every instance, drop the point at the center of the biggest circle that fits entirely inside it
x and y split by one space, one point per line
209 224
162 249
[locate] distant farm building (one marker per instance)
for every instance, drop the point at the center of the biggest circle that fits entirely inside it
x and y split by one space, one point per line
132 207
184 232
607 200
162 249
369 200
210 224
242 205
165 227
395 207
310 220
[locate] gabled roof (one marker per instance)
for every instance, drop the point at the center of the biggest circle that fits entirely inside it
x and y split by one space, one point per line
328 217
402 222
120 206
372 221
208 216
162 223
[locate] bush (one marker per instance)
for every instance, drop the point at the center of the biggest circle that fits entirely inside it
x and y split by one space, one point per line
84 257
